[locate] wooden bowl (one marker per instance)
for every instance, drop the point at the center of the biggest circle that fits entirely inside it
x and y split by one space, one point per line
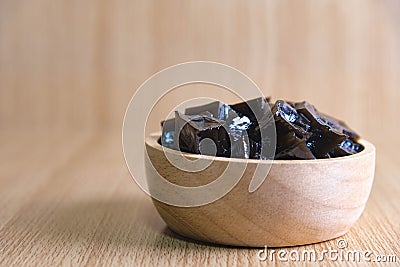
300 202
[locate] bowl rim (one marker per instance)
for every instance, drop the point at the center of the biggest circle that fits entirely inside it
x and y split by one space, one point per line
151 140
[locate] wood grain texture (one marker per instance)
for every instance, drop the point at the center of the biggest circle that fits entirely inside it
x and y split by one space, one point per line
69 68
300 201
69 200
76 64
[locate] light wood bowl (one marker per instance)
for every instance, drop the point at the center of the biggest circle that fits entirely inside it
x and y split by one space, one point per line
300 202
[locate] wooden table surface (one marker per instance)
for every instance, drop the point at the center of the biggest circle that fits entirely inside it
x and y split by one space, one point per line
67 198
68 69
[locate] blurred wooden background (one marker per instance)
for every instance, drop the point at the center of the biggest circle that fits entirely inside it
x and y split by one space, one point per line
77 63
72 66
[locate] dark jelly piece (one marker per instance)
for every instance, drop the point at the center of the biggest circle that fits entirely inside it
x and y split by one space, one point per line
324 138
217 110
191 130
230 137
340 126
288 125
290 137
347 147
300 151
257 110
241 144
251 109
168 133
